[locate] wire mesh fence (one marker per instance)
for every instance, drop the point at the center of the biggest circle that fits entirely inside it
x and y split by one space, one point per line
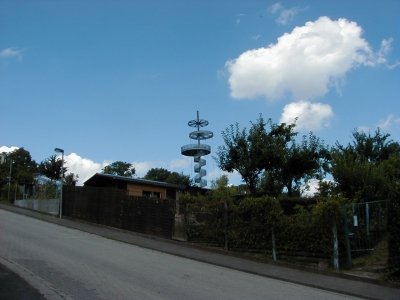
367 224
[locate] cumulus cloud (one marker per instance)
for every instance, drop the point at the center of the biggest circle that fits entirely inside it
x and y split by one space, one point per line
307 115
304 63
11 53
5 149
284 14
142 167
311 187
83 167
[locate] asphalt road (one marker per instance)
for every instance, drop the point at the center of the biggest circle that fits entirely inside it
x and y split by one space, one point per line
70 264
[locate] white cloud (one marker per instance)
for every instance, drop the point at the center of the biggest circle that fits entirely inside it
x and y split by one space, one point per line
276 7
8 149
305 63
141 168
284 14
10 53
256 37
83 167
311 188
389 122
310 116
180 163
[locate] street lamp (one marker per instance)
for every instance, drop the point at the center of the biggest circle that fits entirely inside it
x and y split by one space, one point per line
58 150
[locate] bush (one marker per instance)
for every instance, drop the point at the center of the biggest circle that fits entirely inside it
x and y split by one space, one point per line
304 229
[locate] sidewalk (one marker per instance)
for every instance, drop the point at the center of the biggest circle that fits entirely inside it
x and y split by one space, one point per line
365 288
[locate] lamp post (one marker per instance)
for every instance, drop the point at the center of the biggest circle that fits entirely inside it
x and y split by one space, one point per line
58 150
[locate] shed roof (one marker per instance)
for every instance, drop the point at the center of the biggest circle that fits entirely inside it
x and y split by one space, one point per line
100 178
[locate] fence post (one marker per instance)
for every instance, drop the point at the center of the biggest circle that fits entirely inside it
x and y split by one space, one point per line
348 247
335 248
346 237
273 243
226 245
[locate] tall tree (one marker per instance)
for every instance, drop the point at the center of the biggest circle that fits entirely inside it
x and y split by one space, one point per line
120 168
268 156
243 152
299 162
53 168
163 175
363 168
23 167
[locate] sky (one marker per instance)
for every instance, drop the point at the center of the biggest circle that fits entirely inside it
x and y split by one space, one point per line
119 80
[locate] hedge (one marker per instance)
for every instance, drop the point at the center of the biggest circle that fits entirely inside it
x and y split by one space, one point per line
301 227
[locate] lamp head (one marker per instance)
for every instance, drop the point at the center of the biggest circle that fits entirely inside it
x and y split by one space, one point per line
58 150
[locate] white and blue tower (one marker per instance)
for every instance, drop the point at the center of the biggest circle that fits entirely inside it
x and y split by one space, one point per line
197 150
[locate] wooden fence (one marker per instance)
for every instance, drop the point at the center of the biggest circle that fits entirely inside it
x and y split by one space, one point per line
113 207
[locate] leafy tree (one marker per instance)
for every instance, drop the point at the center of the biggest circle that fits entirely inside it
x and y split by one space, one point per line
243 152
71 179
53 168
163 175
23 167
221 189
120 168
268 157
364 169
298 162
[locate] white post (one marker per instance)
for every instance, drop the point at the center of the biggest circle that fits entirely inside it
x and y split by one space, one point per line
335 248
58 150
273 244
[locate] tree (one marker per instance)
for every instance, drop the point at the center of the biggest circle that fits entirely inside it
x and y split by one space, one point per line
53 168
71 179
364 169
243 152
23 167
163 175
120 168
270 158
221 189
16 167
298 163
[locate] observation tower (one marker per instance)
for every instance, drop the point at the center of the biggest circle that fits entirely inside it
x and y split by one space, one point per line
197 150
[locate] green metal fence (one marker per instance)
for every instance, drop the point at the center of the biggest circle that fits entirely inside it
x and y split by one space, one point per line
366 226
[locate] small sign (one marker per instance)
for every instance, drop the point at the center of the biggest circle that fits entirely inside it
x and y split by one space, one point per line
355 221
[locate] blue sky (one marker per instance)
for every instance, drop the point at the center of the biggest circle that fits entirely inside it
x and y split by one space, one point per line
119 80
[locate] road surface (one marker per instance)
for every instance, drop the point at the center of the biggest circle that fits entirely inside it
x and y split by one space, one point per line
78 265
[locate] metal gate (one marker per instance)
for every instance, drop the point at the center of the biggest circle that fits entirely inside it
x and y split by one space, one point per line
366 225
